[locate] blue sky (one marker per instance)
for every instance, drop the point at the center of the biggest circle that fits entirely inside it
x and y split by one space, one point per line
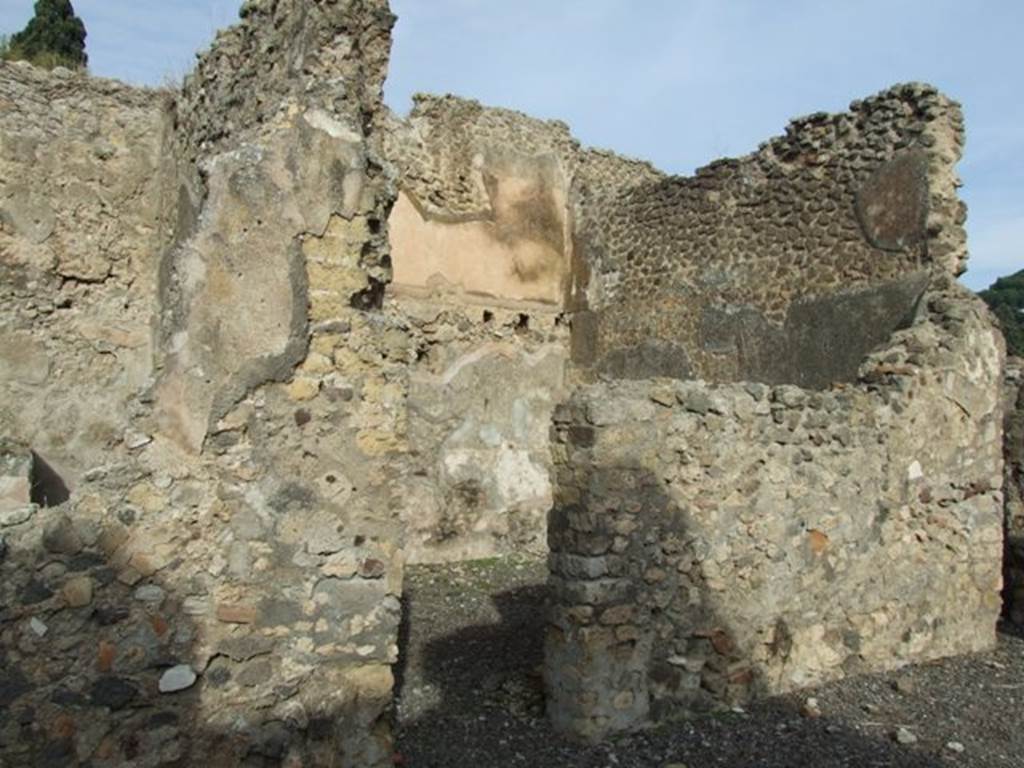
678 82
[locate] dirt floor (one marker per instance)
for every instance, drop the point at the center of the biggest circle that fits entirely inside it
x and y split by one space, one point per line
470 695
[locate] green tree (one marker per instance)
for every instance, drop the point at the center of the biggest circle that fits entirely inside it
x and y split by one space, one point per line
1006 298
55 36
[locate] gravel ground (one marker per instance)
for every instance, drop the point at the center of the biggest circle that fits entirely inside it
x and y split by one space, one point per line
470 695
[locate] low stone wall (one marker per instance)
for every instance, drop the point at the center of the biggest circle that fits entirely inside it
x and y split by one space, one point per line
1013 490
710 543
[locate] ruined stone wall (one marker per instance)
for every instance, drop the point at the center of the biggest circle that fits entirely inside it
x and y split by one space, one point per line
489 200
771 267
286 52
1013 490
222 584
716 542
82 218
263 341
485 269
784 266
282 166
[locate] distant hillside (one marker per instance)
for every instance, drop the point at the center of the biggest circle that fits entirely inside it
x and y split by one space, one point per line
1006 298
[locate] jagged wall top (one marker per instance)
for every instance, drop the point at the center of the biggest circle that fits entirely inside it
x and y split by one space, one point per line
333 53
446 141
488 198
762 267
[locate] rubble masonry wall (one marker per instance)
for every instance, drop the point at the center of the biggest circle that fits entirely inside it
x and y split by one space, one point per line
714 542
784 266
222 583
263 342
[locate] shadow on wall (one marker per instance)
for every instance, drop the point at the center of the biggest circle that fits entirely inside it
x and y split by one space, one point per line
634 635
99 663
469 692
822 340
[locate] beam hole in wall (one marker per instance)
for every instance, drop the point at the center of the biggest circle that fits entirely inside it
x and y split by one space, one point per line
48 488
522 323
488 316
370 298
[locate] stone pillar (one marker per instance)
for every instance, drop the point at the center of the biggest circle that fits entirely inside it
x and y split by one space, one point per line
596 658
596 655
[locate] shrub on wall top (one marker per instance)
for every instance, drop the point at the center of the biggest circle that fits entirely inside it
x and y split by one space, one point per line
53 37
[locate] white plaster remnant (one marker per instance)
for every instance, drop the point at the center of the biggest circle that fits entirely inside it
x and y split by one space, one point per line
334 128
519 479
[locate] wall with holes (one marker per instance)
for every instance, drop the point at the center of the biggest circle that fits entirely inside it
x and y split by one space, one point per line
486 273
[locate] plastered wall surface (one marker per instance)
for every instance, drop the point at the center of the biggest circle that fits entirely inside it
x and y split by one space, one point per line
489 202
264 342
488 256
485 275
82 218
